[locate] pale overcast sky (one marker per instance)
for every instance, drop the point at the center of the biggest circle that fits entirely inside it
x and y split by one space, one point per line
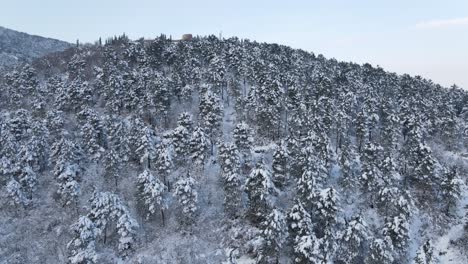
419 37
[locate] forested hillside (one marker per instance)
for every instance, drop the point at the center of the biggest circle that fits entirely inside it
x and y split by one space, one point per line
228 151
17 47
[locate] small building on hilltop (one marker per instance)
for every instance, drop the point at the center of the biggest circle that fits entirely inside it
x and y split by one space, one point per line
186 37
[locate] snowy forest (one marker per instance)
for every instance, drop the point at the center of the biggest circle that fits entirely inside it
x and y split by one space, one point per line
215 150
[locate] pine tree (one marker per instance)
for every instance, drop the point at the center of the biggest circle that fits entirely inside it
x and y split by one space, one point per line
230 166
397 230
274 235
425 254
28 179
180 141
16 194
126 226
211 114
380 252
349 165
163 163
242 137
299 220
280 165
185 120
83 245
186 194
146 147
300 229
353 241
259 188
371 175
90 141
312 178
451 187
118 149
107 208
199 144
151 193
67 171
68 186
326 208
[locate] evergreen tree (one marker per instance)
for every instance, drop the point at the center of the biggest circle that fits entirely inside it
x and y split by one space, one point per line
187 196
242 137
211 114
146 147
83 245
353 241
230 165
380 252
259 188
199 144
16 194
425 254
280 165
126 226
451 187
185 120
180 142
107 208
151 193
163 163
301 233
371 175
396 229
312 177
274 235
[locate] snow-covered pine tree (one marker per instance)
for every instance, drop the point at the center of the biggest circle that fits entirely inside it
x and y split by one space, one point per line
82 247
274 232
151 194
425 254
230 166
210 111
163 163
16 194
243 137
67 176
118 148
185 119
380 252
353 241
180 141
126 229
187 195
90 141
396 229
280 165
146 147
199 145
312 178
349 165
451 187
371 175
325 211
301 234
259 188
107 208
67 171
27 177
299 221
